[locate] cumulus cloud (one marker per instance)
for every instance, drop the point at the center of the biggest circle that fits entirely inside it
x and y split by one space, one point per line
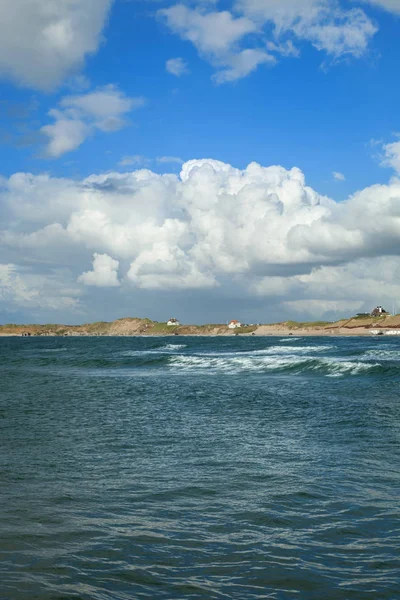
261 230
234 42
79 116
43 42
104 273
177 67
330 292
339 176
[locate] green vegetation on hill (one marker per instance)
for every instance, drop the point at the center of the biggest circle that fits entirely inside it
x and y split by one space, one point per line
244 330
162 328
305 325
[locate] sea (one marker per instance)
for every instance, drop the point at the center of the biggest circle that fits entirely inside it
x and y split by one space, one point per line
200 468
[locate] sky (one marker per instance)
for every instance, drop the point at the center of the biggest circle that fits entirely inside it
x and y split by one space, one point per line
201 160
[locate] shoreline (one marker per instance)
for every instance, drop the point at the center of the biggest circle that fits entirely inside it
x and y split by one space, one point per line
280 334
134 327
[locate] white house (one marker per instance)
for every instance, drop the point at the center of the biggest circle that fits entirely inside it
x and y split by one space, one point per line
379 312
234 324
173 322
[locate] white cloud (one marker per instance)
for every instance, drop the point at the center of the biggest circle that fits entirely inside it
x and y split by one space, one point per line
212 33
259 231
169 159
333 291
177 67
348 34
324 23
217 37
339 176
392 156
165 266
242 64
65 134
236 45
102 104
79 116
104 274
42 41
286 48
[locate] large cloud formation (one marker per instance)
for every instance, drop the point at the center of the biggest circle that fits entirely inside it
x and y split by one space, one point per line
261 230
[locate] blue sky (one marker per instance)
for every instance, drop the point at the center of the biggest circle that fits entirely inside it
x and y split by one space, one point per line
309 85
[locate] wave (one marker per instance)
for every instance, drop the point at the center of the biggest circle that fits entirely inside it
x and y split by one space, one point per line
290 339
271 351
383 354
279 364
173 347
159 350
293 349
203 357
44 350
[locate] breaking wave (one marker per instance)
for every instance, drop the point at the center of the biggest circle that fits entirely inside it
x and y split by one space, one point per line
293 349
224 356
172 347
159 350
278 364
383 354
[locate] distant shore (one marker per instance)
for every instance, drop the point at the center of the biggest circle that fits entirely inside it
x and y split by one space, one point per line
354 326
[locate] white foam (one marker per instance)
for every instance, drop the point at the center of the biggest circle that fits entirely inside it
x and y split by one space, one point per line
293 349
238 364
270 351
235 363
162 350
172 347
383 354
339 367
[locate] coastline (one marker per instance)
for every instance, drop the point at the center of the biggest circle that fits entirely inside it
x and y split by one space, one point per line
135 327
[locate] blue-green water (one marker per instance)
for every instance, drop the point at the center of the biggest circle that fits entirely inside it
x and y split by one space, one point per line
199 468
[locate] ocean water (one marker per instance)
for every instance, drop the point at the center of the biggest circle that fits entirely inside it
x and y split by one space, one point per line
210 468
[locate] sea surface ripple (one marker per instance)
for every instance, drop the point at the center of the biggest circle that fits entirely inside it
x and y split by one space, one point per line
215 468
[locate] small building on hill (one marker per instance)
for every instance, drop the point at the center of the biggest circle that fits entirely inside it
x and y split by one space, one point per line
379 312
234 324
173 322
